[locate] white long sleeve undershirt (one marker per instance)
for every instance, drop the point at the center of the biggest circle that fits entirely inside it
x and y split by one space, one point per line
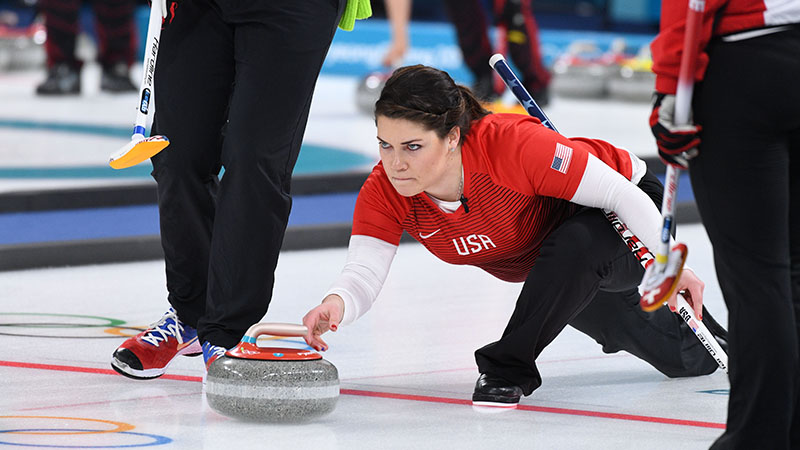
605 188
363 275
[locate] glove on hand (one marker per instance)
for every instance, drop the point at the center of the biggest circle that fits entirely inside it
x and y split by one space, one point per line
677 144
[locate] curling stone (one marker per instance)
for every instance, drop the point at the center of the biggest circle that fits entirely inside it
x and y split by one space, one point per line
21 45
635 80
584 70
270 384
579 72
369 91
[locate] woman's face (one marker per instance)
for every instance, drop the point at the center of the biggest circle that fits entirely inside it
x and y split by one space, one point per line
415 159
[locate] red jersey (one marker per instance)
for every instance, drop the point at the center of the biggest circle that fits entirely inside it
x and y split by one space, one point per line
720 18
518 179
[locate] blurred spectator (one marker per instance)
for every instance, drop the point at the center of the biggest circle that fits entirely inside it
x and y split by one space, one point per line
521 42
114 19
398 12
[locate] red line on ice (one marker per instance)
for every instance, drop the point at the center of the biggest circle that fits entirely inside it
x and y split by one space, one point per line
418 398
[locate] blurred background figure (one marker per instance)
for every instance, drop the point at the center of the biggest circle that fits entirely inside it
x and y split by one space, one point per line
398 13
115 45
519 38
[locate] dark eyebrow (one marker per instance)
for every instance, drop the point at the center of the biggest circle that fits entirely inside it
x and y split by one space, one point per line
402 143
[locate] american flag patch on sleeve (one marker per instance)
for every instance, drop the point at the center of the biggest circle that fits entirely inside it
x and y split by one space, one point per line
561 158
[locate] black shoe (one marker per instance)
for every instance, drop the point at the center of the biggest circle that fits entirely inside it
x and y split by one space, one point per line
483 88
116 78
62 79
719 333
491 390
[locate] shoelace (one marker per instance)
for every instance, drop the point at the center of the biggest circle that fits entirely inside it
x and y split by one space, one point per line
215 351
164 329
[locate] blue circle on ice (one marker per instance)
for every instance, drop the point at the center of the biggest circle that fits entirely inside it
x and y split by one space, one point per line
157 439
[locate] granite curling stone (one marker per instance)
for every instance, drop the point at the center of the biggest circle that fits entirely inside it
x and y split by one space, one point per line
369 90
269 384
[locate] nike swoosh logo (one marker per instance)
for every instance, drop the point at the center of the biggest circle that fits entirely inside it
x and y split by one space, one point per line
426 236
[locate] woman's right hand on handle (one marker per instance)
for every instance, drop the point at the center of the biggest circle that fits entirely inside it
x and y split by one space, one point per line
324 317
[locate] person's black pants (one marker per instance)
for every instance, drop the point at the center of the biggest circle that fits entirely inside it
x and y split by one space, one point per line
586 276
746 180
521 38
115 30
233 88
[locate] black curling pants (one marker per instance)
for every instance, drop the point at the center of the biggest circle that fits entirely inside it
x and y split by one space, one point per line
746 180
233 87
586 277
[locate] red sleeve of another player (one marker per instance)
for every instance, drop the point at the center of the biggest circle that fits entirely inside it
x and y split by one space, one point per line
379 209
667 47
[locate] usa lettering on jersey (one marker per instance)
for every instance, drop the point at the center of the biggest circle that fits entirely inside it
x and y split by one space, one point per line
472 244
511 211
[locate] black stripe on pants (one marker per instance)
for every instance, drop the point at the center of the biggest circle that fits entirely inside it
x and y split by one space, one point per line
586 276
234 81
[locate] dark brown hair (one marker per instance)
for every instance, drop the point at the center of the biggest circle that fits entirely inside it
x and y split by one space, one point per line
429 97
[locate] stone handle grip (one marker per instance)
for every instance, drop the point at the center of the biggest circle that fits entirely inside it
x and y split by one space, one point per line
277 329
